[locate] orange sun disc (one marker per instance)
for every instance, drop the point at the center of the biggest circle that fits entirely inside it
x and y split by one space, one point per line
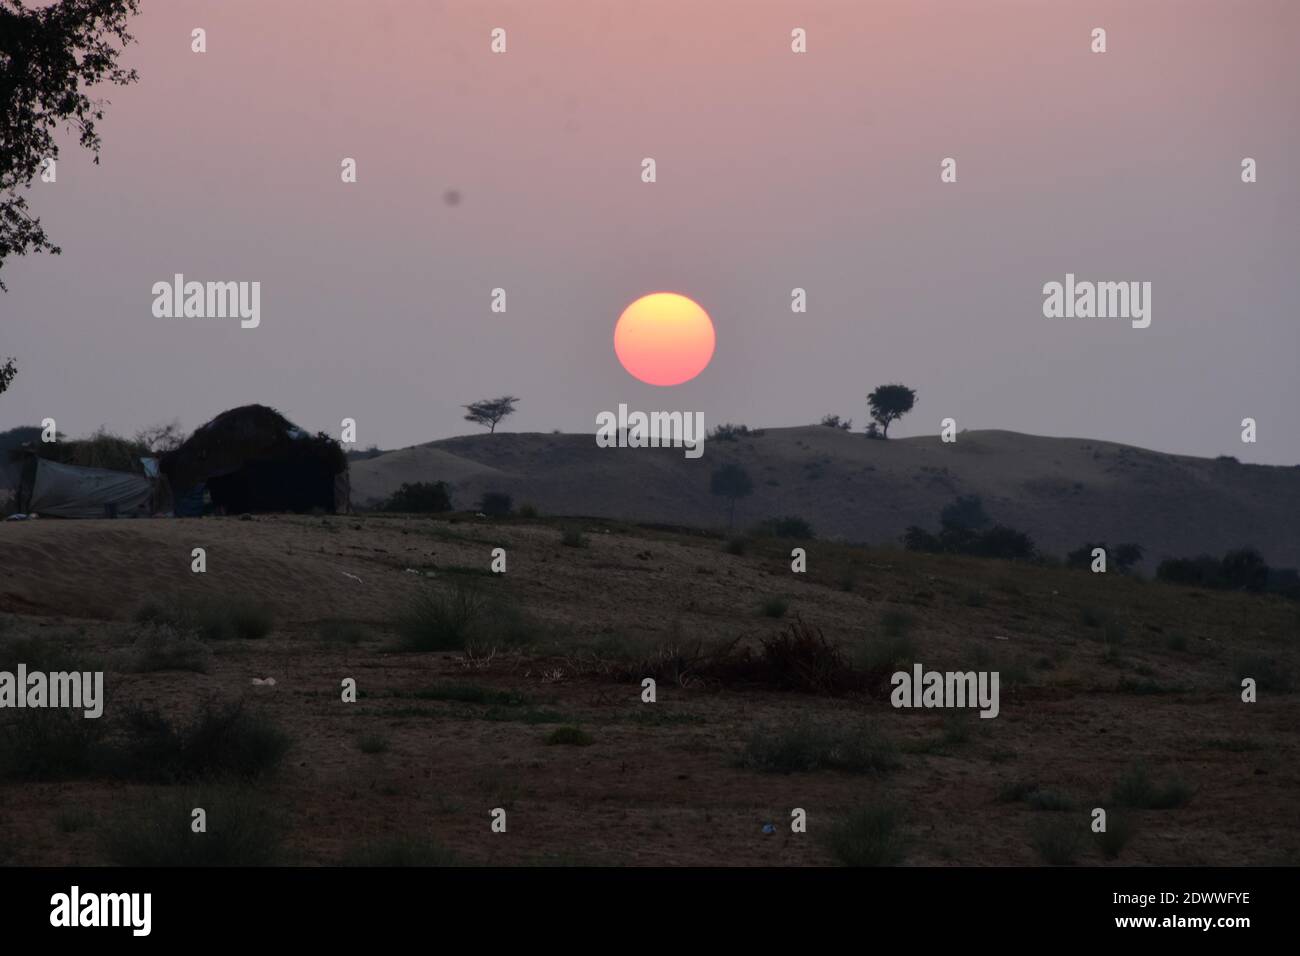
664 339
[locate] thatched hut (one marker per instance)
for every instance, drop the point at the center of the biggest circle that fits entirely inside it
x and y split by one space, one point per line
252 459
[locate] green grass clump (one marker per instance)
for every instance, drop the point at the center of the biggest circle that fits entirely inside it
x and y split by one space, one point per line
229 617
775 606
868 836
464 616
241 831
1136 789
805 746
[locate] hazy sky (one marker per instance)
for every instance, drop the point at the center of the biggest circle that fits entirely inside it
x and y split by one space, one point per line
775 170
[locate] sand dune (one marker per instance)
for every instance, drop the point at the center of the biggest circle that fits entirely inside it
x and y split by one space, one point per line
1063 491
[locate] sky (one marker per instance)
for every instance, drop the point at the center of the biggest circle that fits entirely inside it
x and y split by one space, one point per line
775 171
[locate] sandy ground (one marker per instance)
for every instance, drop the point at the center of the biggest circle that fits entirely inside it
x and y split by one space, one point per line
662 783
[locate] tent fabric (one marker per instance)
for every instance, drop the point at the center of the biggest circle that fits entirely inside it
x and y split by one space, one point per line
69 491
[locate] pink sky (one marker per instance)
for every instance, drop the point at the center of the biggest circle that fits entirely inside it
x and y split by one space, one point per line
774 170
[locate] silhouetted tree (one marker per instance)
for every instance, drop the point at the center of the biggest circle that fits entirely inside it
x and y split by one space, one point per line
890 402
48 56
161 438
731 481
490 411
7 373
834 421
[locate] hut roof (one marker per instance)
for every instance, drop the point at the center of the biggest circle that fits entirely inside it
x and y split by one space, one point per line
247 433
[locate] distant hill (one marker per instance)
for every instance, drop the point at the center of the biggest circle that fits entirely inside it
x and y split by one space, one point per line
1062 491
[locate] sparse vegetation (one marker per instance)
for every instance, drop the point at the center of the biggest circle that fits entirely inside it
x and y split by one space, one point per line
805 746
1136 789
569 737
573 538
373 744
222 741
464 616
1119 830
420 497
775 606
223 618
496 504
163 648
868 836
1058 840
242 830
787 526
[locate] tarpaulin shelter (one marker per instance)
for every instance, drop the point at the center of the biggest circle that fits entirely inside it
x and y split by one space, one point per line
54 489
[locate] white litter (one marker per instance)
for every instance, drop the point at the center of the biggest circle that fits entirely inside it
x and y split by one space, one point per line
263 682
352 576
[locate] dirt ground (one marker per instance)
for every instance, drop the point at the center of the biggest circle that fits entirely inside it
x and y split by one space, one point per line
1100 673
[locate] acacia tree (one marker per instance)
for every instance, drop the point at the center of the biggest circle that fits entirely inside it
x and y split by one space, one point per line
7 372
490 411
890 402
731 481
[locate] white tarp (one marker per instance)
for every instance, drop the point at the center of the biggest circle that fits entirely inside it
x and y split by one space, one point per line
69 491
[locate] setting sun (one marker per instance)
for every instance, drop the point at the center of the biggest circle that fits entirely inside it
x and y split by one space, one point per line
664 339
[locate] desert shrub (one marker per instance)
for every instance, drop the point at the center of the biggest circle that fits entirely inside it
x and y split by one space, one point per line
787 526
735 545
372 744
401 851
241 831
163 648
806 746
464 616
729 432
1057 840
1017 790
1003 542
886 653
421 497
834 421
1244 570
966 512
916 538
210 618
341 632
527 510
1091 617
775 606
1119 830
573 538
800 658
221 741
496 504
868 836
569 737
49 743
1136 789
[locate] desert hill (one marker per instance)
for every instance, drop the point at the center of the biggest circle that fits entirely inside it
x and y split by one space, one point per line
1062 491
